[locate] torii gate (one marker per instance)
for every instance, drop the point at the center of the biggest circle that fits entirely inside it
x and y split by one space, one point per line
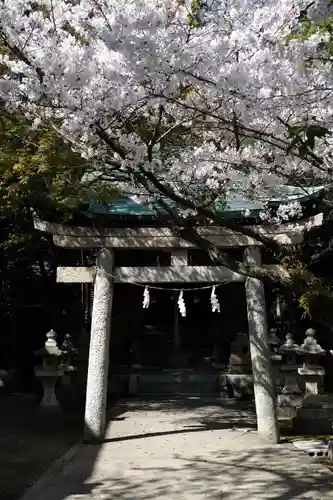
104 275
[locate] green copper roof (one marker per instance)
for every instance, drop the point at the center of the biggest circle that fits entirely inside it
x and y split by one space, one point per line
125 206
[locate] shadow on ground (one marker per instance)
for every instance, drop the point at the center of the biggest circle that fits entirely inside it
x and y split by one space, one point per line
227 477
187 449
30 440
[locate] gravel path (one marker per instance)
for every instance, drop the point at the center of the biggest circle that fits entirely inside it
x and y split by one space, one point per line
185 449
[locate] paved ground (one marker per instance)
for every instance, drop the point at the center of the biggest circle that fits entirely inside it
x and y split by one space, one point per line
185 450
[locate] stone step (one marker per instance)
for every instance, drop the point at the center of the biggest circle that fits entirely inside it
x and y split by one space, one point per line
175 382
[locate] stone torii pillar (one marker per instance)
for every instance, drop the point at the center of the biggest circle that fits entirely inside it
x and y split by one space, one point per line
264 390
98 366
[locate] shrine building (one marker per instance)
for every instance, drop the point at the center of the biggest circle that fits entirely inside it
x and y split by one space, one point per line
170 314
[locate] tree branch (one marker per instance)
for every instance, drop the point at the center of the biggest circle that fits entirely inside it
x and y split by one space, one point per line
110 141
20 54
205 212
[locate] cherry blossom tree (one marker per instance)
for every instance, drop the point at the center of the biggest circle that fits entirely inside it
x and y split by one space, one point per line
186 100
182 101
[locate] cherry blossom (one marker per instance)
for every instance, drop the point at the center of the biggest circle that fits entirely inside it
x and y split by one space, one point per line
203 99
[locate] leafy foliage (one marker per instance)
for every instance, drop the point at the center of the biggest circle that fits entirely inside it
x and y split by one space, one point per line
303 137
36 166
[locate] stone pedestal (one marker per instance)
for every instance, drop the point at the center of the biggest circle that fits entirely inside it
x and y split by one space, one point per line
313 379
49 379
316 415
239 375
290 397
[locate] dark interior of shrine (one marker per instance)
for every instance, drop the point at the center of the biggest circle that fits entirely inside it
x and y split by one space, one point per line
159 337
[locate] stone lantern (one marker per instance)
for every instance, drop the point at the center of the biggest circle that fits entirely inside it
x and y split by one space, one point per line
316 414
67 351
50 370
274 342
291 396
67 360
311 372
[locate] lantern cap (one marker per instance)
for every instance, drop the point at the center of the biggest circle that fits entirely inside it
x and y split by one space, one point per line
310 344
